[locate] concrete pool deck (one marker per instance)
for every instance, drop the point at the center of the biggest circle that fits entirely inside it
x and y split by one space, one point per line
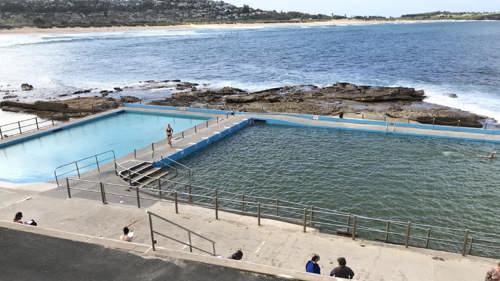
274 243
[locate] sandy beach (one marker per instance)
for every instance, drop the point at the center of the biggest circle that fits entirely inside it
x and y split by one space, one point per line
341 22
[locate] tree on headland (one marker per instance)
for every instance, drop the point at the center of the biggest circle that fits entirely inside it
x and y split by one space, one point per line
246 9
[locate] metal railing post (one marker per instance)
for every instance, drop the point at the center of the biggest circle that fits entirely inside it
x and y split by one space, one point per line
354 227
182 134
207 124
36 122
466 240
243 203
408 231
153 242
103 193
67 186
277 207
19 126
159 188
216 202
135 153
387 229
77 169
217 119
52 122
258 214
153 147
1 134
195 129
138 197
305 220
470 245
176 203
97 162
116 169
311 216
190 197
190 244
428 238
349 224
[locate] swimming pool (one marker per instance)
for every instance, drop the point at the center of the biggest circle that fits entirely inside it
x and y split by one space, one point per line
424 180
34 160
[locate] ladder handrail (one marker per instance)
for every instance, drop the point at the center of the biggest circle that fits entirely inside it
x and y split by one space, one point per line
189 231
178 163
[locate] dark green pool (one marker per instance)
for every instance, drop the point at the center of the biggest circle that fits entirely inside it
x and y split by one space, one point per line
429 181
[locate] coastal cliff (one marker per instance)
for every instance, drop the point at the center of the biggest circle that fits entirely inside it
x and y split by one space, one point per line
100 13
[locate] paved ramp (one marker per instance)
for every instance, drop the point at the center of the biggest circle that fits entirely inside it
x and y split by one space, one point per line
27 256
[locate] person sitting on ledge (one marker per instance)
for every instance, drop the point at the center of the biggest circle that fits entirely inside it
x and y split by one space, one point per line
127 235
19 219
238 255
342 271
494 274
312 266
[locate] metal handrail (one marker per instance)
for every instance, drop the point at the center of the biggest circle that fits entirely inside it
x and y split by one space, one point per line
78 168
19 127
178 163
189 232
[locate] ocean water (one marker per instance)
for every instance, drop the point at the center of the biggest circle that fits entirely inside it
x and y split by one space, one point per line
440 58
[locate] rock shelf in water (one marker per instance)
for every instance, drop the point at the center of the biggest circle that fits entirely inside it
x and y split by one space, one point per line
371 102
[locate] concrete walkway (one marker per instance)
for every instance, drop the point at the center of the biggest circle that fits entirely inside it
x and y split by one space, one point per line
274 243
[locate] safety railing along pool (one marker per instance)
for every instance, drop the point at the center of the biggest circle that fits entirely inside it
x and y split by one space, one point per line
24 126
79 166
408 234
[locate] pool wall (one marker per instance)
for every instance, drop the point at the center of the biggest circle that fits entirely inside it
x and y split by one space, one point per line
327 118
272 121
203 143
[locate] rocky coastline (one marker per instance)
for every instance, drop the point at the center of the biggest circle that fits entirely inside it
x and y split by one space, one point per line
350 100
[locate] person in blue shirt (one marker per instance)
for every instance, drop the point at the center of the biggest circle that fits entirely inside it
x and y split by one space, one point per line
312 265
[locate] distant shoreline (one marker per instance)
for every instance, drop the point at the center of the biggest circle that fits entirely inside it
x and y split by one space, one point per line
341 22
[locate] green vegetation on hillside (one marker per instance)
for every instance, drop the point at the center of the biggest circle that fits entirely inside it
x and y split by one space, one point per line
73 13
443 15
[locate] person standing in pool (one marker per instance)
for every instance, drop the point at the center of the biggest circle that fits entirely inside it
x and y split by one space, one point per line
170 132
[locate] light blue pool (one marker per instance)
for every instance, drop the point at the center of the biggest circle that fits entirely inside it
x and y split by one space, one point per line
34 160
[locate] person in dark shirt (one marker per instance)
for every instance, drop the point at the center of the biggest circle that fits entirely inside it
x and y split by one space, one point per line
238 255
342 271
312 265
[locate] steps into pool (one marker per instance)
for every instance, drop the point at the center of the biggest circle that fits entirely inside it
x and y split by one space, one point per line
141 173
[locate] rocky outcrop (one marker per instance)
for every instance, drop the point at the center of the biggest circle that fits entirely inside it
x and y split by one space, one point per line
26 87
355 100
62 110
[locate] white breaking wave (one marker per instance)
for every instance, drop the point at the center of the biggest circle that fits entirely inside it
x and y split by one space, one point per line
10 40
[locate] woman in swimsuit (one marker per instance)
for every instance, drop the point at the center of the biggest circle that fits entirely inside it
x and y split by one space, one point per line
170 132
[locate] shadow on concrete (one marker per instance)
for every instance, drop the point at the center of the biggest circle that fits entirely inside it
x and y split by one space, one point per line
27 256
